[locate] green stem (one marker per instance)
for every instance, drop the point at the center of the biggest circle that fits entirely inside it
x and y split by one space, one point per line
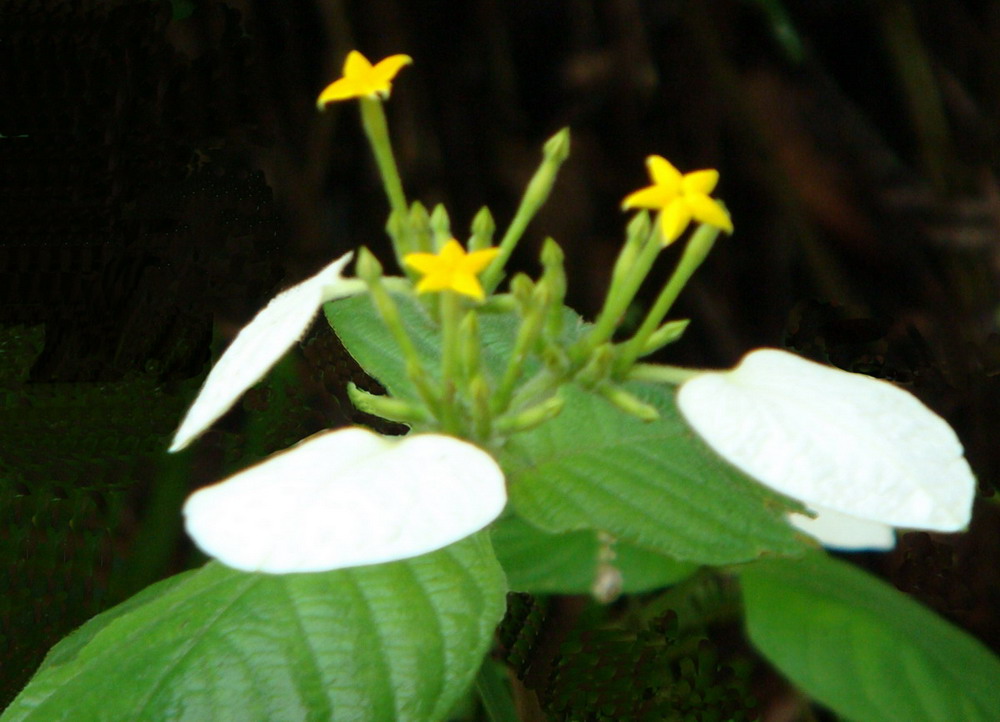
654 373
619 298
387 309
555 152
450 355
377 130
695 252
536 389
532 323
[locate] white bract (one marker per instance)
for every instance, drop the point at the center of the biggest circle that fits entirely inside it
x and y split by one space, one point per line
261 343
347 498
863 454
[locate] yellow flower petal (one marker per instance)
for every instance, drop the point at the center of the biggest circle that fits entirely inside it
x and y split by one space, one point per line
433 282
385 70
451 269
478 260
421 262
362 79
700 181
356 65
451 253
673 220
468 285
663 172
343 89
707 210
651 197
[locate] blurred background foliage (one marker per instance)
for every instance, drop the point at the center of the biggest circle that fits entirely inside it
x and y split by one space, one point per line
164 172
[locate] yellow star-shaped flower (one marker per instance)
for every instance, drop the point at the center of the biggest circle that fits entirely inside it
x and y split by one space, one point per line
679 198
362 79
452 269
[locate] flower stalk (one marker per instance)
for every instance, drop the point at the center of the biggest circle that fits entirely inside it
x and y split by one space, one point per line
695 252
377 131
555 152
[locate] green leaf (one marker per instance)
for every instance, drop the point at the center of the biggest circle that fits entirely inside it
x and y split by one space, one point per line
863 648
653 484
541 563
384 642
368 340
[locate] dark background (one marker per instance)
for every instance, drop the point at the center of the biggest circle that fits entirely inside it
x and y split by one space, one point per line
163 172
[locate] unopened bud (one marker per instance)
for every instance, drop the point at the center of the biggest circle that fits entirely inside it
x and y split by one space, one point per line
499 303
531 417
367 267
636 234
386 407
420 227
396 226
555 276
440 226
664 335
557 147
628 402
522 289
483 227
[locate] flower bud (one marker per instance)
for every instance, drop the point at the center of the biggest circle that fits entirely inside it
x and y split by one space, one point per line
531 417
367 267
665 335
556 148
628 402
420 227
386 407
483 227
440 226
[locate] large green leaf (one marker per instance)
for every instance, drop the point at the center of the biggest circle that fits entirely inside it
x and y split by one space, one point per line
864 649
542 563
383 642
653 484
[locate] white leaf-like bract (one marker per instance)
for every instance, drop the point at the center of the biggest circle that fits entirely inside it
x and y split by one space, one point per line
260 345
860 452
347 498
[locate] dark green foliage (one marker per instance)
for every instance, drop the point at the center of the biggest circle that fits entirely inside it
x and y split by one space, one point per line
656 673
608 670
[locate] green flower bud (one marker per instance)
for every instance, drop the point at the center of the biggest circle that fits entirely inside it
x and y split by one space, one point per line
483 227
554 276
420 227
499 303
628 402
636 234
367 267
386 407
522 289
440 226
664 335
556 148
531 417
397 228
